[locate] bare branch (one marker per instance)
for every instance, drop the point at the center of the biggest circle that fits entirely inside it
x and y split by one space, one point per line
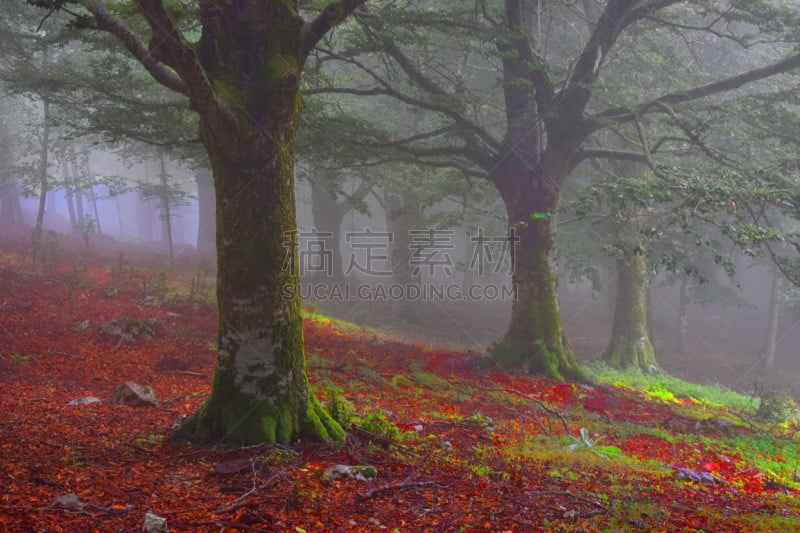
387 89
617 155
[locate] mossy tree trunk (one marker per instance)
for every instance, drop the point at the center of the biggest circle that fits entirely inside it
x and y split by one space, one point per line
535 340
630 344
260 391
242 78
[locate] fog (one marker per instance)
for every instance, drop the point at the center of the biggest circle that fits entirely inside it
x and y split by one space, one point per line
461 295
639 198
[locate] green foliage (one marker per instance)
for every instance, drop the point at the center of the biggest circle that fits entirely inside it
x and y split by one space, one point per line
669 388
201 283
379 425
480 420
779 459
773 406
583 441
340 408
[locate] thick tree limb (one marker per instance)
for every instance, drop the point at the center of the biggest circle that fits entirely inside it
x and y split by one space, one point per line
728 84
330 16
111 24
523 44
620 114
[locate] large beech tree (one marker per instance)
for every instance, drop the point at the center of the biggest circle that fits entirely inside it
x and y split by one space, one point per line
553 99
241 76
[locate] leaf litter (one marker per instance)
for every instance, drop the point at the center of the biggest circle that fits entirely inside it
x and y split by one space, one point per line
453 447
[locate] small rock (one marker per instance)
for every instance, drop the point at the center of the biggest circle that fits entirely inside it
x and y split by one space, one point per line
154 524
359 472
86 400
133 394
70 502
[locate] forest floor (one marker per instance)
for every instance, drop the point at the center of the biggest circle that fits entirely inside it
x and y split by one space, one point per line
455 447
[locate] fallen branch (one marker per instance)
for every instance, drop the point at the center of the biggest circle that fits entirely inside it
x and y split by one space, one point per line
242 500
567 493
541 404
403 485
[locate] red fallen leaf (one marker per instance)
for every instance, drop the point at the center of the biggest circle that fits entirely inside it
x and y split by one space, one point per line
561 393
437 359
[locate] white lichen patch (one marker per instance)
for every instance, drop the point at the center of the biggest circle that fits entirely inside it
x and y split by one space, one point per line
253 359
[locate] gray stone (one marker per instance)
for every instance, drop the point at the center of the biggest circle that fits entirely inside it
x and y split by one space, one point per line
359 472
133 394
86 400
154 524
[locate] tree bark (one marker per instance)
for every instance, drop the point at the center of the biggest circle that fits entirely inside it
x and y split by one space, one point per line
44 184
771 341
683 315
144 217
535 339
328 215
260 391
630 345
166 208
69 195
10 207
401 217
206 219
243 79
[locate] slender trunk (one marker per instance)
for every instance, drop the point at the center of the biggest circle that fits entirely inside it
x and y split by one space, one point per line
683 315
93 199
166 217
401 218
328 216
206 218
43 181
10 208
144 218
630 345
68 195
535 340
80 212
774 319
468 279
120 225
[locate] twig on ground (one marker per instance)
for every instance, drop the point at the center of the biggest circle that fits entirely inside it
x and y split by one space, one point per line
569 494
403 485
242 500
541 404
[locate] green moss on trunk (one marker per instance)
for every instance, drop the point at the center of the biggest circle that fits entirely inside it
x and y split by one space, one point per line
630 344
260 392
535 341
